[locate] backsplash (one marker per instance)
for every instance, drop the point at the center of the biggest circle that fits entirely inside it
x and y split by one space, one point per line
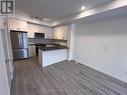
48 41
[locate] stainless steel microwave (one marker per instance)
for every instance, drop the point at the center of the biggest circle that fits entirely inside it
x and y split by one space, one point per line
39 35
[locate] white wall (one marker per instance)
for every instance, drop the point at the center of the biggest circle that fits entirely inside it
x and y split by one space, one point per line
102 45
38 28
70 42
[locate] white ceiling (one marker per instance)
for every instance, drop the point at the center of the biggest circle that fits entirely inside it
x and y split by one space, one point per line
55 9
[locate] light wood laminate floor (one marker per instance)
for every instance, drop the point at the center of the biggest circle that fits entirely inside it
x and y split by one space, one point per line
64 78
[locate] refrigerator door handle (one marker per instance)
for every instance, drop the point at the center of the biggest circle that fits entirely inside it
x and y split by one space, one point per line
20 39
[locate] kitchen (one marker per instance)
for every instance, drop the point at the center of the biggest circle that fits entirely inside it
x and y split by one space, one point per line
63 47
39 37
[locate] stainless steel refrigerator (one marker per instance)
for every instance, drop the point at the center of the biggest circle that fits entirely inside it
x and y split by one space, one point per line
19 41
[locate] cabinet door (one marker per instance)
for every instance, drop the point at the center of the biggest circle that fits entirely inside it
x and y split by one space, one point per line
32 51
15 24
61 32
57 33
22 25
54 33
12 24
65 32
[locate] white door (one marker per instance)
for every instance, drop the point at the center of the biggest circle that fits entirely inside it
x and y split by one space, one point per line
4 83
7 52
7 60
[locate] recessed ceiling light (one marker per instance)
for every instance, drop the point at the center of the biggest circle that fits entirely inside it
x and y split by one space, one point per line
83 8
